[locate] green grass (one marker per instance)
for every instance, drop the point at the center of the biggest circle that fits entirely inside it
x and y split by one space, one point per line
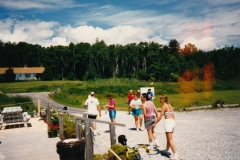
204 98
177 100
33 86
25 102
184 94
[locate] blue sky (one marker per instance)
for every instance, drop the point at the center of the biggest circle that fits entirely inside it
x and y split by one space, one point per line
208 24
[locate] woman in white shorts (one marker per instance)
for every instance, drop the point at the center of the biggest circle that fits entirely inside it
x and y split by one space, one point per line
169 125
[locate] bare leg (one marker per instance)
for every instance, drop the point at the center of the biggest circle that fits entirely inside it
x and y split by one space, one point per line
170 140
129 109
153 133
136 121
94 126
141 120
113 120
168 143
150 136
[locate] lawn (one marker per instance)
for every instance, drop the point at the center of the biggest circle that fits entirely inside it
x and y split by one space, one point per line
74 93
186 100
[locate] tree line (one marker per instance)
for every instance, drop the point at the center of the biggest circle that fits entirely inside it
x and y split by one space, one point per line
144 61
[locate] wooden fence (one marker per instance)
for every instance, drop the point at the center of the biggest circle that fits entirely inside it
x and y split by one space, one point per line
89 152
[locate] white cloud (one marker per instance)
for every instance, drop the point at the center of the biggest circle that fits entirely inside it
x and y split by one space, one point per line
55 41
206 43
51 33
212 27
116 35
28 31
23 4
38 4
221 2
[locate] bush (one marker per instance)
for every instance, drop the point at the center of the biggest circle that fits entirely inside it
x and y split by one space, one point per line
23 101
9 76
219 101
119 149
69 126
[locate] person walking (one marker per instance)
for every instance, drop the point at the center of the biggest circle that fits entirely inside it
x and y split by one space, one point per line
136 105
111 106
93 108
130 97
150 114
169 125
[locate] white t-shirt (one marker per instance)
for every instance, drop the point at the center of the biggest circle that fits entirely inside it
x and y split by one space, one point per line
136 102
92 105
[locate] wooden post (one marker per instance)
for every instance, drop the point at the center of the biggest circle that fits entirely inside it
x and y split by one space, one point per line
38 108
112 134
48 114
77 129
88 136
60 120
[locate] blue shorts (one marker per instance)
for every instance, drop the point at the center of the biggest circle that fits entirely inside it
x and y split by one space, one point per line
112 114
136 112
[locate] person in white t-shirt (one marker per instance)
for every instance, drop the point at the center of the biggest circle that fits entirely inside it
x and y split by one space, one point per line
93 107
136 105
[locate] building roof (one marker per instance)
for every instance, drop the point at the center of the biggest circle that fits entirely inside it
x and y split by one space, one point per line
23 70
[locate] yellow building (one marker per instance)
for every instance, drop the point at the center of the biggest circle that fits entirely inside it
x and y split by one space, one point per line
24 73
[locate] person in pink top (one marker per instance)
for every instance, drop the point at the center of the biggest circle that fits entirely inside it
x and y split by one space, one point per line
111 106
150 114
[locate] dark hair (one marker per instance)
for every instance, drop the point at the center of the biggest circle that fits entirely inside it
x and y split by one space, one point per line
145 95
137 94
109 96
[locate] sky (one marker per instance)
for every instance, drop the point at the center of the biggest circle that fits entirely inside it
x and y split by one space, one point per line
208 24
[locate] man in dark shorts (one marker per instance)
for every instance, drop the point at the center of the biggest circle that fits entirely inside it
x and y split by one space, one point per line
93 107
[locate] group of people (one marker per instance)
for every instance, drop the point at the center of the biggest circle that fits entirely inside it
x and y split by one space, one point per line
143 109
94 108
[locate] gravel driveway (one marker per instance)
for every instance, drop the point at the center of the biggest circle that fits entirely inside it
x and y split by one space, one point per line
199 135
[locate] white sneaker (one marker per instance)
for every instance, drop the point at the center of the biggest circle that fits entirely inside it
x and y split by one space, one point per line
137 129
157 144
151 148
141 129
175 157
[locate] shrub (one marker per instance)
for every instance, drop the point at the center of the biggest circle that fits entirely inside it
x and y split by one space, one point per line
23 101
9 75
69 126
219 101
119 149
